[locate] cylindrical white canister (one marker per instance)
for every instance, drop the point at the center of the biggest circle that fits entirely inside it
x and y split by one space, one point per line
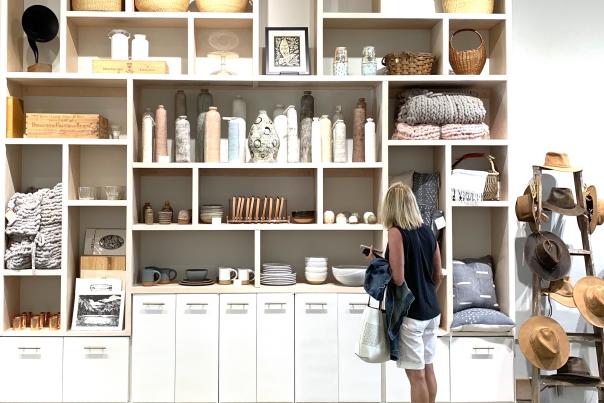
370 140
339 142
119 44
147 131
326 139
293 142
140 47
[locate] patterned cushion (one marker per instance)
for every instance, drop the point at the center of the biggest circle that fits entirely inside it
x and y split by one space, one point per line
481 320
473 285
425 187
405 177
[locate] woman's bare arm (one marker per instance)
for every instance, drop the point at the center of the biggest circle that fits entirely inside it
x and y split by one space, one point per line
396 256
437 273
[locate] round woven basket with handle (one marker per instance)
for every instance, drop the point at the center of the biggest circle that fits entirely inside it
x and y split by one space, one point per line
409 63
491 187
96 5
466 62
468 6
162 5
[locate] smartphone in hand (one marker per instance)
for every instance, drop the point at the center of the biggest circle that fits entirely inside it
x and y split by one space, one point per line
365 250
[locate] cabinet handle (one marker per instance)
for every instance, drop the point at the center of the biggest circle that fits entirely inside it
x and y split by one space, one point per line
242 305
483 350
95 348
280 305
269 304
309 305
154 304
196 304
24 349
355 305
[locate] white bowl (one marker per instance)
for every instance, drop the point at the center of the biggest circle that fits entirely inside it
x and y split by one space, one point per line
351 276
315 278
316 264
311 269
316 259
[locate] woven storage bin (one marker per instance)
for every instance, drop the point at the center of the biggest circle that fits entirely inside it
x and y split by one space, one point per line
409 63
96 5
491 187
162 5
222 6
468 6
465 62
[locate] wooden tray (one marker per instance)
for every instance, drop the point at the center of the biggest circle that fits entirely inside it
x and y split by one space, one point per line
130 66
70 125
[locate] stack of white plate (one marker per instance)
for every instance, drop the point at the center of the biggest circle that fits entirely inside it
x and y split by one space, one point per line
316 270
209 211
277 274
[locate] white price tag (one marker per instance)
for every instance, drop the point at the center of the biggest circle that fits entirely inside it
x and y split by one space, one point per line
216 220
10 216
440 223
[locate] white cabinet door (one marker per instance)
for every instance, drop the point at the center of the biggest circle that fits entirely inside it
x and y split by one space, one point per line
316 347
275 348
153 344
31 369
482 369
196 348
358 380
95 369
237 376
397 384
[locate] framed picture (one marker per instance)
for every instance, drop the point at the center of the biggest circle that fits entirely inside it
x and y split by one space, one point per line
102 241
98 310
287 51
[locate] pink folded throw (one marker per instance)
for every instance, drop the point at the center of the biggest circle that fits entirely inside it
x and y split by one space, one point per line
464 132
417 132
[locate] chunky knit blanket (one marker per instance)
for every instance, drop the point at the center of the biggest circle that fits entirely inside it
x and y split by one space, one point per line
48 239
439 108
464 132
405 131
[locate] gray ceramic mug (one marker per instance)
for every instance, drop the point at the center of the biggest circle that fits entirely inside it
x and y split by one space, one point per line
150 276
167 275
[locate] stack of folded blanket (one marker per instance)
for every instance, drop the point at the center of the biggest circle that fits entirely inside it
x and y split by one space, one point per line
428 114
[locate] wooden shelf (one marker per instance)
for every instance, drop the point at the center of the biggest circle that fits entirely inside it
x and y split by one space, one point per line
260 227
97 203
377 21
498 203
249 289
57 141
33 333
463 143
61 333
234 165
32 273
127 19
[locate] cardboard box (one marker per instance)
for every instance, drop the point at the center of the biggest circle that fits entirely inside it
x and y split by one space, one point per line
70 125
102 262
15 117
130 66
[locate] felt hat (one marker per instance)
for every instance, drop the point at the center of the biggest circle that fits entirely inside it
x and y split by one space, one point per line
595 208
558 162
526 209
544 343
575 370
561 200
547 255
589 298
561 291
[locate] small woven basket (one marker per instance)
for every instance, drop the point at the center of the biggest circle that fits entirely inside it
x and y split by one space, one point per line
96 5
162 5
468 6
222 6
467 62
409 63
491 187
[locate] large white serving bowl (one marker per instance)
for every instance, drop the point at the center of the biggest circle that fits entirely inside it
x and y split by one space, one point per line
350 275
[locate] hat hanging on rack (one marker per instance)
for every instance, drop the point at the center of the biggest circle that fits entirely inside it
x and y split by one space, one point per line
595 208
561 291
575 370
589 298
544 343
547 255
562 201
526 209
558 162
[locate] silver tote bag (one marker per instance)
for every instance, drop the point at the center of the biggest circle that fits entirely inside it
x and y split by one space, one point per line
373 345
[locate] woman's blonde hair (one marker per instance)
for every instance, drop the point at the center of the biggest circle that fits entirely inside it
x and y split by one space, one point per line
400 209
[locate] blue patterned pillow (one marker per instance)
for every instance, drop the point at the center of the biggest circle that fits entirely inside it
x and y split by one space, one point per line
481 320
473 285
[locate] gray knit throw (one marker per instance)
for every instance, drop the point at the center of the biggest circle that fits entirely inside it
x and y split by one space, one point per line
439 108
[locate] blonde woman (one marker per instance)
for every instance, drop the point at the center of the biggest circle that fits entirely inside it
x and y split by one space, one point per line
414 258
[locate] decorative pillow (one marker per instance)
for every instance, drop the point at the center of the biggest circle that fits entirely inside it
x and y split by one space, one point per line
481 320
473 285
425 187
405 177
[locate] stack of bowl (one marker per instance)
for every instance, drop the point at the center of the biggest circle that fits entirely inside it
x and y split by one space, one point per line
209 211
316 270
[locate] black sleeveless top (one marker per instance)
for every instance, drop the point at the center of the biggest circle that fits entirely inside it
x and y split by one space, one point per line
419 246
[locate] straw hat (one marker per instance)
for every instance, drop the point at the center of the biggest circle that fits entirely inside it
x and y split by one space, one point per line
561 291
595 208
547 255
589 298
562 201
526 209
544 343
558 162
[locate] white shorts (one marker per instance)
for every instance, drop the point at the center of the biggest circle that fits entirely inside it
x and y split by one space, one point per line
417 342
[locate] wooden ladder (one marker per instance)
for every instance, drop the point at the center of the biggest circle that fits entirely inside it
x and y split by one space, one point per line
597 337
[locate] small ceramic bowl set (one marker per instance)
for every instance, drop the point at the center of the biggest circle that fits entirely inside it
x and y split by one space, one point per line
316 270
28 320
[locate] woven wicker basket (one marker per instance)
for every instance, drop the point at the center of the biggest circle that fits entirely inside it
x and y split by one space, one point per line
162 5
470 61
491 187
222 6
468 6
96 5
409 63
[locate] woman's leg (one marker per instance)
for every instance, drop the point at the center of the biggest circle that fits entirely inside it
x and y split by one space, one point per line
431 382
419 388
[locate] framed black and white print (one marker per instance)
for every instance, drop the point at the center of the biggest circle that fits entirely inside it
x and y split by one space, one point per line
287 51
98 311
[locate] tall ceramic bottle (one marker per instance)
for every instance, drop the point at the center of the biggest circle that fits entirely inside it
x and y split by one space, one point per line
280 123
307 105
233 136
338 115
180 104
339 141
161 135
279 109
147 130
239 107
183 139
293 141
307 111
212 135
241 125
263 140
316 141
358 131
370 140
326 139
204 101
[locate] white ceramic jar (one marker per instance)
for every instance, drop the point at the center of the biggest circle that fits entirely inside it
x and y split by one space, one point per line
140 47
119 44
